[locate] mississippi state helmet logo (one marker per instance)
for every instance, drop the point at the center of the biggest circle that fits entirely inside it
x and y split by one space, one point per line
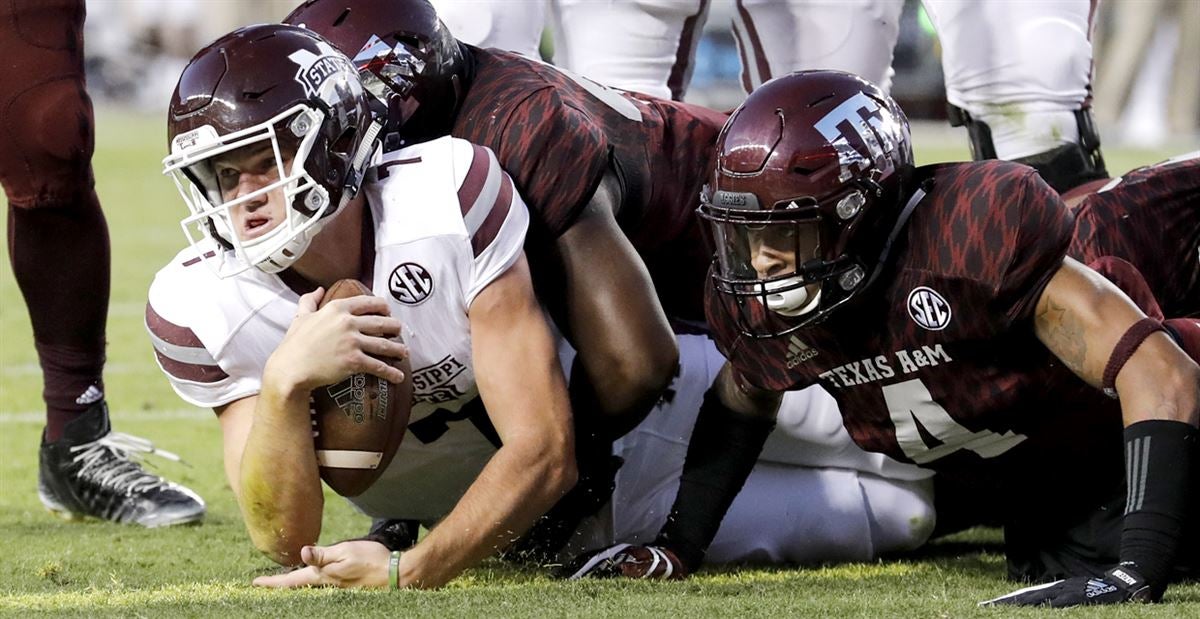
410 283
928 308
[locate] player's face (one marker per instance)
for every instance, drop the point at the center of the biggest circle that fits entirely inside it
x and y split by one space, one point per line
777 250
772 250
240 173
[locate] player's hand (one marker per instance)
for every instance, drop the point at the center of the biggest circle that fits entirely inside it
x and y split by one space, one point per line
349 565
1120 584
626 561
344 337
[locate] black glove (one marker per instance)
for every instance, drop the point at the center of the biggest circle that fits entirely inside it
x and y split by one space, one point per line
625 561
1120 584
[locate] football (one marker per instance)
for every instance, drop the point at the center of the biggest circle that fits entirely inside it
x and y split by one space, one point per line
359 422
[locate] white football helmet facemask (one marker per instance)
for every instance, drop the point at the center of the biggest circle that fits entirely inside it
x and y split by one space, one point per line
190 166
282 90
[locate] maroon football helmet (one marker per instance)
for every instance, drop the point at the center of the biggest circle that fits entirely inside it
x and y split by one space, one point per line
280 88
809 177
405 55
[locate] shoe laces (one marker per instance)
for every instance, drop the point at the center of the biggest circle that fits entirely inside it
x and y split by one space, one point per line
113 461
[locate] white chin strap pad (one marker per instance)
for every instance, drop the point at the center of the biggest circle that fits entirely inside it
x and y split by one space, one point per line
794 302
285 256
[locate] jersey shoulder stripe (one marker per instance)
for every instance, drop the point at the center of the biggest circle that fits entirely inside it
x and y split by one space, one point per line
486 232
482 186
180 351
475 183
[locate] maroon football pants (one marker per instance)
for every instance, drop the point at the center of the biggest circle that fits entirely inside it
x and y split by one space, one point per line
57 237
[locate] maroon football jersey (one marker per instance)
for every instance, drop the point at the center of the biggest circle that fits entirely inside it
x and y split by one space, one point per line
556 134
1151 218
937 363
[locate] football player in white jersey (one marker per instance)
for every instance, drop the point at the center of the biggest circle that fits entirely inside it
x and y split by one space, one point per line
270 133
512 25
1018 74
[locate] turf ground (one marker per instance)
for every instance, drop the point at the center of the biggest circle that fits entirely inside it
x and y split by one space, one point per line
94 568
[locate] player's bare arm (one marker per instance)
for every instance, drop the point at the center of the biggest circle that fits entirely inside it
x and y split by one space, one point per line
527 403
613 316
278 480
1081 316
522 386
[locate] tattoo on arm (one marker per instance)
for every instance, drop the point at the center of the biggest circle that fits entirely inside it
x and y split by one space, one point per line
1064 335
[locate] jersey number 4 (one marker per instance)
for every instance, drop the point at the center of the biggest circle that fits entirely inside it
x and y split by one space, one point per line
926 432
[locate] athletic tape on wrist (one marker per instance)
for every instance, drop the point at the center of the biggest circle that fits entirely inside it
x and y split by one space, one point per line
394 570
1129 342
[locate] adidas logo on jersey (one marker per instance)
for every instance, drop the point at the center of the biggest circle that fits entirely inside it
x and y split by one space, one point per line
798 352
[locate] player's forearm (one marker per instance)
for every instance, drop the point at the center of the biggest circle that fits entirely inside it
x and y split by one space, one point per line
1081 318
520 483
280 496
722 451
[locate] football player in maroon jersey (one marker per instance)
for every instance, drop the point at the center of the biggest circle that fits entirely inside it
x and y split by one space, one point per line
59 250
939 307
610 180
1151 218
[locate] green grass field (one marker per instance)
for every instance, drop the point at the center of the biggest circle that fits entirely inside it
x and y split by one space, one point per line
94 568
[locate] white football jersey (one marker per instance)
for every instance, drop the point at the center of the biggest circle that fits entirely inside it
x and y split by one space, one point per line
447 222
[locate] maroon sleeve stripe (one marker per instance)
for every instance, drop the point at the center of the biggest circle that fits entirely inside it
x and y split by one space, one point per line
170 332
476 178
191 371
495 220
197 259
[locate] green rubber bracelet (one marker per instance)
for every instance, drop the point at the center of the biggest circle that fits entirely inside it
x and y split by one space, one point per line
394 570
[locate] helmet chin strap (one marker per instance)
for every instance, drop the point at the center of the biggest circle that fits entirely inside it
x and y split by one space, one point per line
287 255
794 302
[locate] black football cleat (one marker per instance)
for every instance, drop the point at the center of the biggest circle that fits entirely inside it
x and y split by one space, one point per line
91 471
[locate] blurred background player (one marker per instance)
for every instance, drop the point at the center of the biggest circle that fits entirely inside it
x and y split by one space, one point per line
1017 74
59 249
511 26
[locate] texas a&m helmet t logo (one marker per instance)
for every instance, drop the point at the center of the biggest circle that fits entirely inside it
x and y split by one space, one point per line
410 283
928 308
860 114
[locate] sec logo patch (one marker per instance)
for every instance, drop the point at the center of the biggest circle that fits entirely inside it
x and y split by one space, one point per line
928 309
410 283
